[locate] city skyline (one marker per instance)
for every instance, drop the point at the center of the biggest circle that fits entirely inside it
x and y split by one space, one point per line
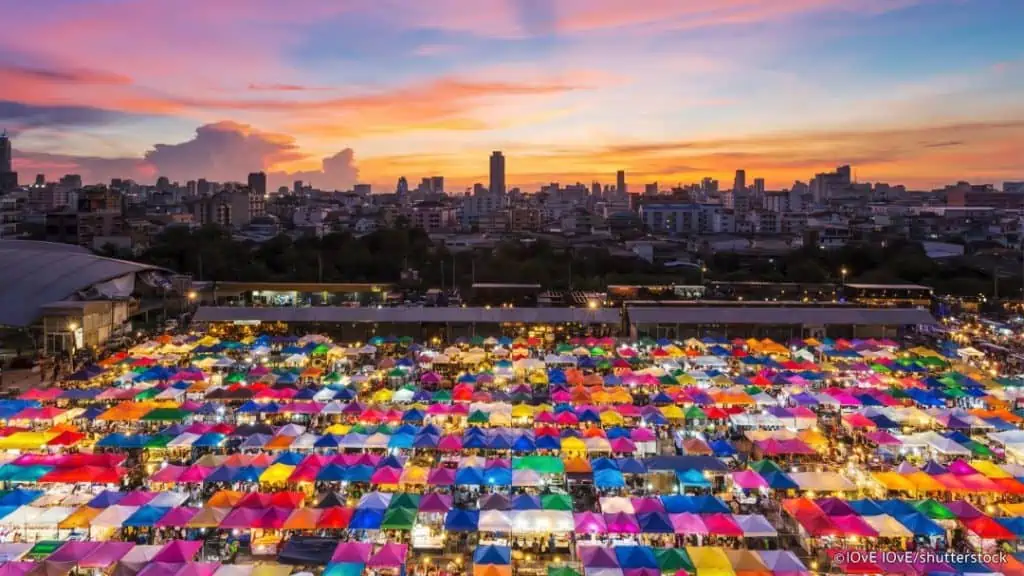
920 92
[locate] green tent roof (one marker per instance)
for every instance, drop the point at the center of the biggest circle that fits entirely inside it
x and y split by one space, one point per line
398 519
539 464
556 502
673 560
166 415
934 510
405 500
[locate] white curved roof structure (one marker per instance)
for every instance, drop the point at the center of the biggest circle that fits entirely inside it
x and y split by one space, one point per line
33 274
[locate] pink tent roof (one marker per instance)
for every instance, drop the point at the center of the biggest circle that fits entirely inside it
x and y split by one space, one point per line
352 552
688 523
161 569
106 554
434 502
168 474
622 445
242 518
450 443
621 523
597 557
386 475
961 468
641 505
389 555
73 551
178 551
16 568
642 435
853 525
441 477
137 498
749 480
722 524
177 516
590 523
198 569
882 438
195 473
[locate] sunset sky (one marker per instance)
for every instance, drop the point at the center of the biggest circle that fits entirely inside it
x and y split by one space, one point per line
922 92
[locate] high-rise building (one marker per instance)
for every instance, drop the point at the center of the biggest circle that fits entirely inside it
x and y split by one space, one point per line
437 184
203 187
362 189
403 186
739 184
759 186
6 163
620 182
497 173
258 183
595 189
297 187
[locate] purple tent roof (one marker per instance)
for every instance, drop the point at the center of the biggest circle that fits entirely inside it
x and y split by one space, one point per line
352 552
73 551
106 554
435 503
598 557
161 569
389 555
178 551
177 516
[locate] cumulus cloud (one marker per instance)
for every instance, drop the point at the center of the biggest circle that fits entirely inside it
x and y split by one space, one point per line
222 152
338 172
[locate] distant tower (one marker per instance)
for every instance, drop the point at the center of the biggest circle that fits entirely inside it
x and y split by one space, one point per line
403 186
497 173
740 183
620 182
258 183
6 164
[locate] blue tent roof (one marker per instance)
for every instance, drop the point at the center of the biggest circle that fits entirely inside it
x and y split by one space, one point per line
636 557
366 519
609 478
460 520
146 516
492 555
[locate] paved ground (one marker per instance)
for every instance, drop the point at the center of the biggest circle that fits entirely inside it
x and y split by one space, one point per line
22 380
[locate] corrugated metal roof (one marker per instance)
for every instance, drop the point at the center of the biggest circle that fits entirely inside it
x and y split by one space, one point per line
399 315
779 315
33 276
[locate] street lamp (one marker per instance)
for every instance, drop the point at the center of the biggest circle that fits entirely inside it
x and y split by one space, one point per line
843 272
192 295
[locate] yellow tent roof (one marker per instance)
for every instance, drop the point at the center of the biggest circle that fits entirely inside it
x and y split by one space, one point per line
570 444
710 561
277 473
26 440
522 411
80 518
414 475
894 481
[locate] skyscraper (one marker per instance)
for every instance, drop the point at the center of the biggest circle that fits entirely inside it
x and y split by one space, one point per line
740 183
6 164
403 186
258 183
620 182
497 173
